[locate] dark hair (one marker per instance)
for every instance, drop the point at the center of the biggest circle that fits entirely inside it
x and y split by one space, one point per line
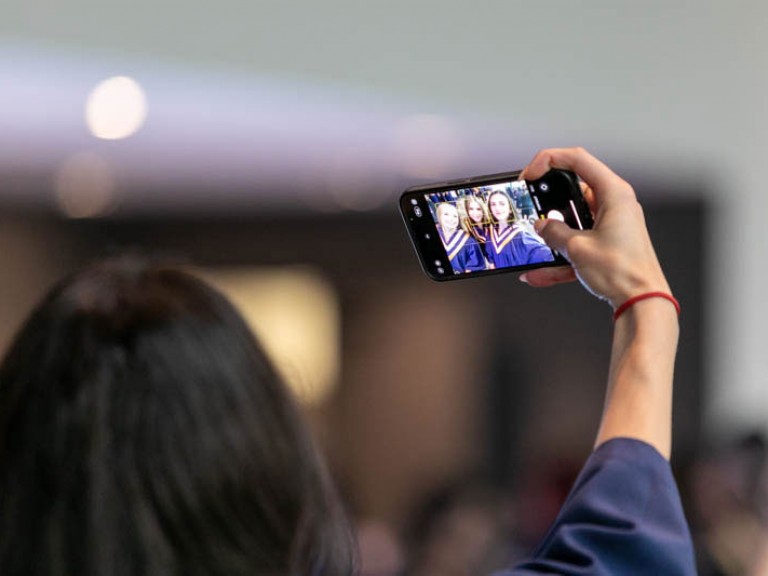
143 431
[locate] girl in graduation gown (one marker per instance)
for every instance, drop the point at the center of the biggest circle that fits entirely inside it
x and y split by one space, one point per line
463 250
473 213
507 244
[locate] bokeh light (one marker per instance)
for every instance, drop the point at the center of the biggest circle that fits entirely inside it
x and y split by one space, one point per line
116 108
295 313
85 186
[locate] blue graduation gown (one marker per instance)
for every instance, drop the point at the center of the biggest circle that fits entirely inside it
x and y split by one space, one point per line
515 247
623 516
464 252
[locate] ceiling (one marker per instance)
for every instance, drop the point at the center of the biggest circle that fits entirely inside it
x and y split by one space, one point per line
340 105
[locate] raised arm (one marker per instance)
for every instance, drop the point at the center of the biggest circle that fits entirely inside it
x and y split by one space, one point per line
623 515
616 262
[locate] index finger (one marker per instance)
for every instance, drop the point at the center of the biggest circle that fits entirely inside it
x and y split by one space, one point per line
597 175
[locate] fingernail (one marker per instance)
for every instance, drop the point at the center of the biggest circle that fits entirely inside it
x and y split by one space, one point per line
523 278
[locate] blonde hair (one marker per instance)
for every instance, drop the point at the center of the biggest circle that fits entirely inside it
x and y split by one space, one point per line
438 209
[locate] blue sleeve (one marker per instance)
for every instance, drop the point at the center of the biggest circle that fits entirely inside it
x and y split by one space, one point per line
623 516
535 250
476 259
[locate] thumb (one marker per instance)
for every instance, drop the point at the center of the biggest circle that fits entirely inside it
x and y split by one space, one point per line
556 234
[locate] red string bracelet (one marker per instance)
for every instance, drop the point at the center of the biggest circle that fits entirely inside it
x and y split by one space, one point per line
635 299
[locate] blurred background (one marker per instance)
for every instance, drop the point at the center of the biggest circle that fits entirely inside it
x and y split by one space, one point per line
266 143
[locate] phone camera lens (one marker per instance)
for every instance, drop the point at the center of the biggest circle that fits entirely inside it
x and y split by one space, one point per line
417 211
544 187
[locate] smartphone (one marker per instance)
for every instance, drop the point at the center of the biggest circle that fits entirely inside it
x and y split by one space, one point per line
484 225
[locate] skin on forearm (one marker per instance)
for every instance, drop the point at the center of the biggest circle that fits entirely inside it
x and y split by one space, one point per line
638 400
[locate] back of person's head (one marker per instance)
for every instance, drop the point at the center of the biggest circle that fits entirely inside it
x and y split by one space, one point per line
143 431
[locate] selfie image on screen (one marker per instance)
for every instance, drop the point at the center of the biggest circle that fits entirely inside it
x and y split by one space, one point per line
489 227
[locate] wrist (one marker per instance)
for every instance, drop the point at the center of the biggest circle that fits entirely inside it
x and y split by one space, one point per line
661 295
649 316
640 284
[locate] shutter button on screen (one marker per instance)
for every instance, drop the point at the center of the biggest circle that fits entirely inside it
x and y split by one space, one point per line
556 215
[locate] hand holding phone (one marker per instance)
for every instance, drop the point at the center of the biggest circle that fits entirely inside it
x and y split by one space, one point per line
486 224
616 259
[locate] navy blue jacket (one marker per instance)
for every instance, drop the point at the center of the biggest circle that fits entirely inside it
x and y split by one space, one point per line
623 516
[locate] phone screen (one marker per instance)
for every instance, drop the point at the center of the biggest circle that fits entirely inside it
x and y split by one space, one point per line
486 225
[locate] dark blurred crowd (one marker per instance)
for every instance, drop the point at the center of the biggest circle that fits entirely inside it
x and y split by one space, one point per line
727 493
469 527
